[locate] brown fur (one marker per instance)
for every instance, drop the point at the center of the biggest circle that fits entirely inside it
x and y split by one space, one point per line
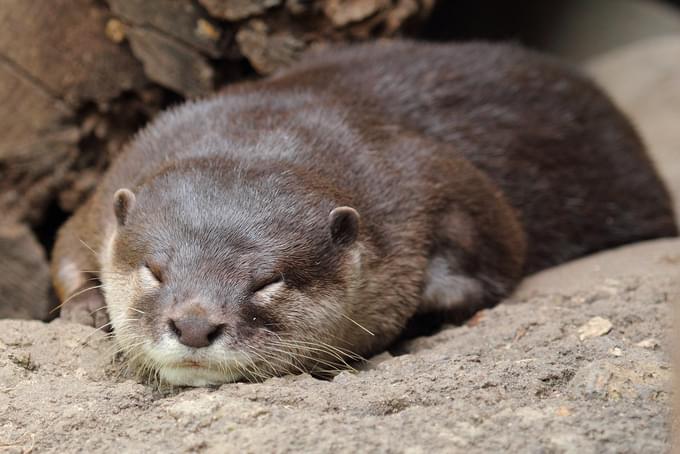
469 165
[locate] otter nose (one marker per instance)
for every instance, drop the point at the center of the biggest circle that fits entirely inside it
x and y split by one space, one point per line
195 332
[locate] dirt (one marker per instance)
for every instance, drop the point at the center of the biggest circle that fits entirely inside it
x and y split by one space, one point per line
579 360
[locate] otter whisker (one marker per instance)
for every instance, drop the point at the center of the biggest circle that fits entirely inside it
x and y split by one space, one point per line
289 359
256 370
347 317
357 323
74 296
254 373
114 273
321 347
125 351
344 353
132 343
241 370
310 358
84 341
131 365
254 352
88 247
340 350
97 310
316 349
333 364
349 353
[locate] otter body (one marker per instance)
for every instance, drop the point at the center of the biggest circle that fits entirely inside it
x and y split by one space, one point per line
292 223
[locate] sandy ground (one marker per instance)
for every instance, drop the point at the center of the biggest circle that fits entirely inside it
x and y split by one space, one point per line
519 380
578 361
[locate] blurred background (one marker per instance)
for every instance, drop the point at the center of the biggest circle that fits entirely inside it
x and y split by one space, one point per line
79 77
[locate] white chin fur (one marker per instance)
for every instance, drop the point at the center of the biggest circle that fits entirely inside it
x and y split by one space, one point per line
222 365
193 376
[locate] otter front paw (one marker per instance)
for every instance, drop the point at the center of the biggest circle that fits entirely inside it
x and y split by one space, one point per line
86 306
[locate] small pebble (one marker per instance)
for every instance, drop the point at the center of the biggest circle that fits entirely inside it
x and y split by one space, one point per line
616 351
595 327
563 411
650 343
115 30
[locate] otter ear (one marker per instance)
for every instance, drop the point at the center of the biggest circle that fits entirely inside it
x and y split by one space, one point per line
123 201
344 225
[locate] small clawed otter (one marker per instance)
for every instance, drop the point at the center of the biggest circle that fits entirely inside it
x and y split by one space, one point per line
222 288
297 223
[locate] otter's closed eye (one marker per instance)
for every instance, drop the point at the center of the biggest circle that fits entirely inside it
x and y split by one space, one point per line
267 283
155 271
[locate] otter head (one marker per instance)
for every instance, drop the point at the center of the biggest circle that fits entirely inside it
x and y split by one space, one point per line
212 277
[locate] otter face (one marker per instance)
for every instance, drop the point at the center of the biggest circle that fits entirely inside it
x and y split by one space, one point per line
203 296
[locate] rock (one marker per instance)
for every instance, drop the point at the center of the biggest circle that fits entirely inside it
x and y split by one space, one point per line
199 406
181 20
54 57
171 63
37 146
595 327
268 52
115 30
650 343
615 351
24 275
376 361
69 55
405 10
234 10
570 443
602 379
563 411
343 12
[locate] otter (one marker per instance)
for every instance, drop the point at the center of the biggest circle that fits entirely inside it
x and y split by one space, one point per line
298 222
